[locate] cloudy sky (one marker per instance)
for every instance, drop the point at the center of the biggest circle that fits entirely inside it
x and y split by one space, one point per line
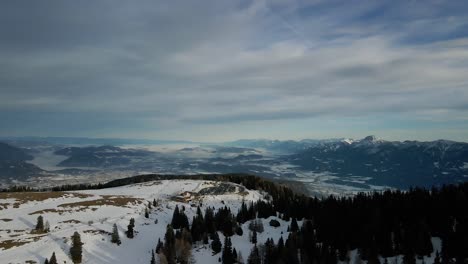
221 70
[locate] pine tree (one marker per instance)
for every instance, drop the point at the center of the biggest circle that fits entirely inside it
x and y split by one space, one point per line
254 257
227 256
130 228
169 245
155 203
216 244
294 226
153 259
159 246
40 224
115 238
149 205
46 261
76 249
146 212
270 257
254 237
53 259
234 254
176 218
47 227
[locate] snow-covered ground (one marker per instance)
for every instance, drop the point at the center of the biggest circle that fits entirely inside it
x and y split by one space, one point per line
93 213
74 211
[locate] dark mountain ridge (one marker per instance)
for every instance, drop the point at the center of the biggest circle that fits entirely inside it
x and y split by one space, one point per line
391 163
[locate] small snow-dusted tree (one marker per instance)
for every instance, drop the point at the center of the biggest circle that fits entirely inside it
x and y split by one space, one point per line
53 259
115 238
47 226
130 228
146 212
40 224
159 246
76 249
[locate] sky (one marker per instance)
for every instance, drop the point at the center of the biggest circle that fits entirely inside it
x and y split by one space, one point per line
224 70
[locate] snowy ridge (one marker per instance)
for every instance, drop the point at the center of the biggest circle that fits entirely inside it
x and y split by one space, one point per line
94 222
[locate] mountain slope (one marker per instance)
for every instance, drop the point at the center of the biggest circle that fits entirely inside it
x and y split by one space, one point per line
93 212
13 163
397 164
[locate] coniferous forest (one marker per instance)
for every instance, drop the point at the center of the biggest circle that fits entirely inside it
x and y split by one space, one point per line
378 224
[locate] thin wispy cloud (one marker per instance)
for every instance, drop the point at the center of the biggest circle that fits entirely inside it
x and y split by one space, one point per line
218 70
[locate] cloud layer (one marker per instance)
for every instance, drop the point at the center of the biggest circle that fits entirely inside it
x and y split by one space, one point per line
217 70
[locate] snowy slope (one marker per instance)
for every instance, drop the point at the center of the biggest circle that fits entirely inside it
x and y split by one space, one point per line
95 222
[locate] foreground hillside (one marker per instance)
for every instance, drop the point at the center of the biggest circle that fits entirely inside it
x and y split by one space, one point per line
93 212
231 219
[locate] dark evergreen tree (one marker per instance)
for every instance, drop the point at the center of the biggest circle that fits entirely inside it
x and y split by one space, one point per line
234 254
76 248
227 256
40 224
146 213
46 261
53 259
198 226
270 252
169 245
153 259
209 221
130 228
294 226
175 223
216 243
253 238
115 238
239 231
254 257
159 246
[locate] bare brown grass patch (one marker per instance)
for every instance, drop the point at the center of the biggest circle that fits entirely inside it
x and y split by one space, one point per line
24 197
121 201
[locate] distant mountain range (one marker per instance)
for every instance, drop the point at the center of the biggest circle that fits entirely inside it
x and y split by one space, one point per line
13 163
281 146
358 163
396 164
